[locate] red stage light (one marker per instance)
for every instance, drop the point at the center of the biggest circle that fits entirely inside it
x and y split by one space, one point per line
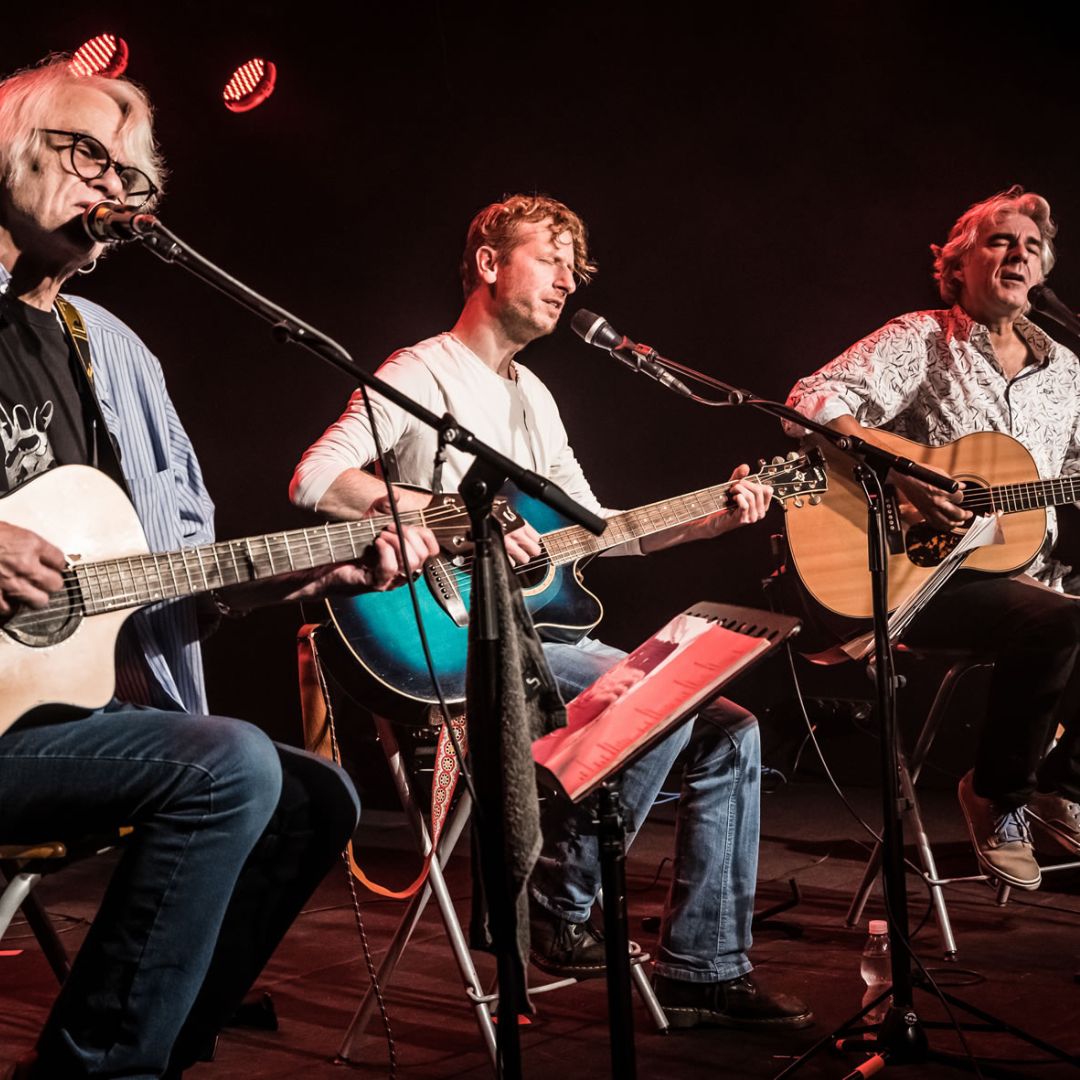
105 55
250 85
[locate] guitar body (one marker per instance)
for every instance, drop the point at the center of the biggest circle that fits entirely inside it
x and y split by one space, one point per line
379 629
70 663
827 542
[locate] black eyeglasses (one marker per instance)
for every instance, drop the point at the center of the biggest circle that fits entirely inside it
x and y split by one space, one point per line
91 160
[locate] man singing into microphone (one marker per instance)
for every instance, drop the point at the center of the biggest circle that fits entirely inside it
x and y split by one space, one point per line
231 833
523 258
934 376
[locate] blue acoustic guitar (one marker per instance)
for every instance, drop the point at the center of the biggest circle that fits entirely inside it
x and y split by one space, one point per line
379 629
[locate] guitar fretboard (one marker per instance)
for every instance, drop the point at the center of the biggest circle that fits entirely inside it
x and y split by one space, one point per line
574 542
132 581
1032 495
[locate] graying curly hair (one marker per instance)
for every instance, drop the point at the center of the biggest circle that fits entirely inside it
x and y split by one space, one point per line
963 235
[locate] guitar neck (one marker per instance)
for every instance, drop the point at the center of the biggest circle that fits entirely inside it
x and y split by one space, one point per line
1035 495
574 542
136 580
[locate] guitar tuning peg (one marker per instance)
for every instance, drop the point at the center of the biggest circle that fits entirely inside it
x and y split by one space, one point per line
797 502
761 463
777 460
793 456
815 500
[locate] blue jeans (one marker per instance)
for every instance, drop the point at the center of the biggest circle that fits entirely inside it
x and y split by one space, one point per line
705 933
232 833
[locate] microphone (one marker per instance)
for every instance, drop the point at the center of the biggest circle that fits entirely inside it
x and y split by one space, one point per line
110 223
1044 300
596 330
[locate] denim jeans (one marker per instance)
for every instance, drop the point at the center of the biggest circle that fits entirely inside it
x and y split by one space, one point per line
232 833
705 933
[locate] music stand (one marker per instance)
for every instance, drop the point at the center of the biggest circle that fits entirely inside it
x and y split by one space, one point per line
739 637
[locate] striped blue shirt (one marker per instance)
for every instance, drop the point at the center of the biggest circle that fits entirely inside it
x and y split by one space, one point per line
173 505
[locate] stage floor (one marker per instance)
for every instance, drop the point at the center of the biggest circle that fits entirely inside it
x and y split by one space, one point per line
1019 962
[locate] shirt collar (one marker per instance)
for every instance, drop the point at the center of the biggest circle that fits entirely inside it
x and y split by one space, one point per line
1040 343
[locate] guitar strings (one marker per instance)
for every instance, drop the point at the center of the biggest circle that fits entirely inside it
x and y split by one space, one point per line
132 577
145 583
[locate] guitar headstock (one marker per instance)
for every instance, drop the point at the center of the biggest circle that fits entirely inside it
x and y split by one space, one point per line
795 477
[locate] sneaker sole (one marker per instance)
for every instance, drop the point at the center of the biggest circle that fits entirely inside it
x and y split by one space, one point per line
683 1019
590 971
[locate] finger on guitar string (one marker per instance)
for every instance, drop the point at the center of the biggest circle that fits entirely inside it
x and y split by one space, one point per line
522 544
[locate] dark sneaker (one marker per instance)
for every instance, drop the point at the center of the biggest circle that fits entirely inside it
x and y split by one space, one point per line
1055 822
558 947
1001 838
737 1003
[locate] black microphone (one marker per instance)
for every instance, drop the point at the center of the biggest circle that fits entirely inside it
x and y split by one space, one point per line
110 223
596 330
1044 300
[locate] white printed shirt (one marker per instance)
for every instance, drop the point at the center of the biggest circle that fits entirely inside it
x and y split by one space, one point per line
933 376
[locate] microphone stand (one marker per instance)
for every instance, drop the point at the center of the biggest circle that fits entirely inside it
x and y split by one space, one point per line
900 1038
496 468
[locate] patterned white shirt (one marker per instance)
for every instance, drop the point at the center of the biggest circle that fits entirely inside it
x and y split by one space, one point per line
933 376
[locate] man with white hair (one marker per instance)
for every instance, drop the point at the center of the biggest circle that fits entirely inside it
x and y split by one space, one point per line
232 832
934 376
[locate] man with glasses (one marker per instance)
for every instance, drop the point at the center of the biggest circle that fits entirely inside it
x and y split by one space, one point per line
231 832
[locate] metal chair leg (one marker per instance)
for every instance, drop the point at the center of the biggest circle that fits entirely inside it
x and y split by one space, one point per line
910 768
435 885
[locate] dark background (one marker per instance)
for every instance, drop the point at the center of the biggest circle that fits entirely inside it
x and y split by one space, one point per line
761 185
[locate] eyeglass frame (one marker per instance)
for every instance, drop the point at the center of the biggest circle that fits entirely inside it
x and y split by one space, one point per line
109 163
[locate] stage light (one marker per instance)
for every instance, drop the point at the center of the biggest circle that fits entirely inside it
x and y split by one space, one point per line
250 85
105 55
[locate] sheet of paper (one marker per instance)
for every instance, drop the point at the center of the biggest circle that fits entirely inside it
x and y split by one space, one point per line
639 699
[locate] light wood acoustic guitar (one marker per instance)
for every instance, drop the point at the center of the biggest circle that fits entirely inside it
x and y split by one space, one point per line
827 542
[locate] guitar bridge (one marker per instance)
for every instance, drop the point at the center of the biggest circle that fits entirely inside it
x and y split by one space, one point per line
441 576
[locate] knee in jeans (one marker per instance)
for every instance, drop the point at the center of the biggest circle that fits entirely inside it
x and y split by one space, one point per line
244 766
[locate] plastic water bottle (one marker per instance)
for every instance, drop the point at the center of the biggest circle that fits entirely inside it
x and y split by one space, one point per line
875 969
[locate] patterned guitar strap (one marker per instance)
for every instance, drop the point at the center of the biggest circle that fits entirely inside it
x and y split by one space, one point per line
104 453
320 737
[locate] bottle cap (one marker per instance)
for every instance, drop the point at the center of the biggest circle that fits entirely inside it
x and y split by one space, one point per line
879 926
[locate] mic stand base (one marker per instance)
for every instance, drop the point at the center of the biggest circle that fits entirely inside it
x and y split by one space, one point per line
900 1039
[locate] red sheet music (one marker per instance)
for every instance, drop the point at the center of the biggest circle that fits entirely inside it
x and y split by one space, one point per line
642 697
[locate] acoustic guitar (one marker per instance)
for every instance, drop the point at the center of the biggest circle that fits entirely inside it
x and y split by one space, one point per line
379 632
827 541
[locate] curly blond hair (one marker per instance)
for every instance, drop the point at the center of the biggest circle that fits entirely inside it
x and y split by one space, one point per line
496 227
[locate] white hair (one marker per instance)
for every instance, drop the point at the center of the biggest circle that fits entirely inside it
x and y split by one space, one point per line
27 99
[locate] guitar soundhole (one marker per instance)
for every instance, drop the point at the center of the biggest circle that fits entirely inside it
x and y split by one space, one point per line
534 572
51 624
927 546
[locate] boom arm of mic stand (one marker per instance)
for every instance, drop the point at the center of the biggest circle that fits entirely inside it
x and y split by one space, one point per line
288 328
876 457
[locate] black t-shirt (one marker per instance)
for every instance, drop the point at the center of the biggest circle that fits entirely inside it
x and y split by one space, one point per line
42 419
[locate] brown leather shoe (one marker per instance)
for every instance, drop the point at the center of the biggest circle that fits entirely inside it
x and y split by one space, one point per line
737 1003
1000 836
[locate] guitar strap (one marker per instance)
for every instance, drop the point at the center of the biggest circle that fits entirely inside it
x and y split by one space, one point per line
104 453
320 737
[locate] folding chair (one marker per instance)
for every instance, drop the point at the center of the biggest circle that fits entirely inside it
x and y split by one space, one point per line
315 695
